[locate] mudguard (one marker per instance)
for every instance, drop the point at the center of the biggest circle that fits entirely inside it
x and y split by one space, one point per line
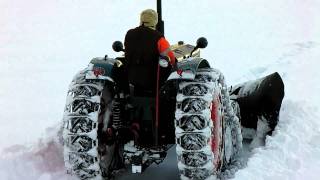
102 68
187 68
261 97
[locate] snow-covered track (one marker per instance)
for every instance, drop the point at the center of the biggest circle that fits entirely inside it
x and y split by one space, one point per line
81 126
203 115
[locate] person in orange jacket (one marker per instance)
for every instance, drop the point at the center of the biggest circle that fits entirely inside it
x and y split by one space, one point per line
143 47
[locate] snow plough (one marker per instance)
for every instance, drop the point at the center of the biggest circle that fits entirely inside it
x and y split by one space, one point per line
109 125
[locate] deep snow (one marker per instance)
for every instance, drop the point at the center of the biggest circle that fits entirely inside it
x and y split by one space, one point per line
44 43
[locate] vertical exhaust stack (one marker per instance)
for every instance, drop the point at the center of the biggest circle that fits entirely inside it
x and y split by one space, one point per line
160 25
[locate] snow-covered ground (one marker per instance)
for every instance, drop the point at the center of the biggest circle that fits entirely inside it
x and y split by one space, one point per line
44 43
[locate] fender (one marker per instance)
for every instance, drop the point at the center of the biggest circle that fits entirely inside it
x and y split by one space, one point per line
101 68
187 68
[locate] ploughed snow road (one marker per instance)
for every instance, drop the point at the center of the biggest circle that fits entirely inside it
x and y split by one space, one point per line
168 169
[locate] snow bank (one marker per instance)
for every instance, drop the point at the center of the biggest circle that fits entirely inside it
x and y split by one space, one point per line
293 151
41 161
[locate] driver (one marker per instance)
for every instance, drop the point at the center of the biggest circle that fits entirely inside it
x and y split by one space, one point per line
143 47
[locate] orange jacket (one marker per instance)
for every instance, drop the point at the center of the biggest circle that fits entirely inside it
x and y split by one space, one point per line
164 50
